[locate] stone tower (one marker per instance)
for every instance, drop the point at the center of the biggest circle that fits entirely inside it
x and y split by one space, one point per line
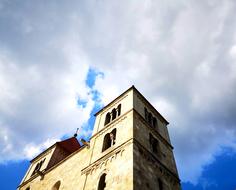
129 149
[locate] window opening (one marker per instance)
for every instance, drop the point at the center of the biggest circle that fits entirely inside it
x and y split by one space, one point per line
154 122
153 143
119 109
113 113
56 186
150 118
160 184
109 140
106 142
108 118
113 136
102 182
146 114
38 166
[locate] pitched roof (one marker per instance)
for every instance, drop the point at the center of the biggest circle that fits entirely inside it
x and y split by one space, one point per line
70 145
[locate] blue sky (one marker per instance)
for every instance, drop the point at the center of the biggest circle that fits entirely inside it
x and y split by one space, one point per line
61 61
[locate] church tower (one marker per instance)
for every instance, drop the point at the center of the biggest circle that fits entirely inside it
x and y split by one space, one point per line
129 149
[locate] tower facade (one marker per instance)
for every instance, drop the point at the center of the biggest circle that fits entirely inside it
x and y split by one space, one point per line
129 149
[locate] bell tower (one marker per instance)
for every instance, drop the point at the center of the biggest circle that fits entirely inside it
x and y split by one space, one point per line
130 149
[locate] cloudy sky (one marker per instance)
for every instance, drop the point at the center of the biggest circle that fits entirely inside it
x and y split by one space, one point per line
60 61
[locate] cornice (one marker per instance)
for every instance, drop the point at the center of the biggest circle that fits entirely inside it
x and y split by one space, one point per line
109 157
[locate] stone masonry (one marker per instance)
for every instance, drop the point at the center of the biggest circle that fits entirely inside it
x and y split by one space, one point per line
130 149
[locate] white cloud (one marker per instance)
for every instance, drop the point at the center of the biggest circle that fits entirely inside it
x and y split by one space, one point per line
181 64
32 150
179 54
40 103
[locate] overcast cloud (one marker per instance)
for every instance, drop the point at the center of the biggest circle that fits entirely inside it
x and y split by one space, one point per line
180 55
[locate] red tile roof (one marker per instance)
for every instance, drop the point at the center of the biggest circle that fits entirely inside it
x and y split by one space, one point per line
70 145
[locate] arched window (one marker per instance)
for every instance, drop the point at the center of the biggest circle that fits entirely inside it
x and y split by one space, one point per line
102 182
28 188
108 118
119 109
109 140
113 113
106 142
160 184
56 186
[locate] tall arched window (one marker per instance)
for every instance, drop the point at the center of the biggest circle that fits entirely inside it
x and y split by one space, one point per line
160 184
102 182
109 140
106 142
119 109
108 118
28 188
113 113
56 186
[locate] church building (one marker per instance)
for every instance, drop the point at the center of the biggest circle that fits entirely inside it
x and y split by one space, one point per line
129 149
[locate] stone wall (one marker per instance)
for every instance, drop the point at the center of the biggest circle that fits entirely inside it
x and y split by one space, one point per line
68 172
140 103
147 172
118 166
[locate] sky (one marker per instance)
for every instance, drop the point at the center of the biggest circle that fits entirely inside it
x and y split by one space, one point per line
61 61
